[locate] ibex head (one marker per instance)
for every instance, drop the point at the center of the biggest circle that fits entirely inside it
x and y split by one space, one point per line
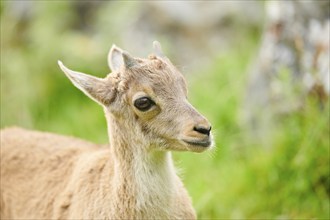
148 96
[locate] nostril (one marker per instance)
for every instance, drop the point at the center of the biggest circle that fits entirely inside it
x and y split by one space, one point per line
203 130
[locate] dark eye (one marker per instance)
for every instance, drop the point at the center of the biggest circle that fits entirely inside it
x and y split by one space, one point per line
144 103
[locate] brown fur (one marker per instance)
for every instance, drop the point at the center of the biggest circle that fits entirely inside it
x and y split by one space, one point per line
48 176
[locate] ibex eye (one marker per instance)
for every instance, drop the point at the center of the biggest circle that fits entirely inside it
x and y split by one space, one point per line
144 103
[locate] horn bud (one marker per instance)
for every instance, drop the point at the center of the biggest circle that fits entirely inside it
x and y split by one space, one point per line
158 49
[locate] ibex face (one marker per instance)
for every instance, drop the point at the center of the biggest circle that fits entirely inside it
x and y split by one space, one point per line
151 96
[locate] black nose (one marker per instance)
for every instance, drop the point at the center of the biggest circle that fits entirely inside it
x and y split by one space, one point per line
203 130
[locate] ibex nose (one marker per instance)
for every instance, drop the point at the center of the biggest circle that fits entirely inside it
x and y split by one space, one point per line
203 129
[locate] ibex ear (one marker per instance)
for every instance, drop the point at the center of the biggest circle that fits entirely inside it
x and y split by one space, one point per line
115 58
118 58
100 90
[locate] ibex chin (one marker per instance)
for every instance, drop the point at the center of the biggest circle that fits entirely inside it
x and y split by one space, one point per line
48 176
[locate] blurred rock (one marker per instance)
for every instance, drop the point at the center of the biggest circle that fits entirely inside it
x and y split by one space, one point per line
293 60
193 27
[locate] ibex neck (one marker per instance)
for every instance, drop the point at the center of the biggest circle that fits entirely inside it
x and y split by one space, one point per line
144 177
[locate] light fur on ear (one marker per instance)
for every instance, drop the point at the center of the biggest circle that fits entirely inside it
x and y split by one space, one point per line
115 58
129 61
118 58
96 88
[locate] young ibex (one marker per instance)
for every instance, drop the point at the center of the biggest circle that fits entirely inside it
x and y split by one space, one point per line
48 176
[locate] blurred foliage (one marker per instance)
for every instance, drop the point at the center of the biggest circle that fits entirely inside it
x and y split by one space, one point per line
283 175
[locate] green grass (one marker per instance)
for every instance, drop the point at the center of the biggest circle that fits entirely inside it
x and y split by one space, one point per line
283 176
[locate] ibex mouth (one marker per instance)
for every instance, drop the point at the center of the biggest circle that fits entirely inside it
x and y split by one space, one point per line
206 143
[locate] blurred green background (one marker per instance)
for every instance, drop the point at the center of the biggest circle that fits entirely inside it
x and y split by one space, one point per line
281 174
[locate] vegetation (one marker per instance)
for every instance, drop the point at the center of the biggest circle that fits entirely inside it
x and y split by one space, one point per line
283 174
